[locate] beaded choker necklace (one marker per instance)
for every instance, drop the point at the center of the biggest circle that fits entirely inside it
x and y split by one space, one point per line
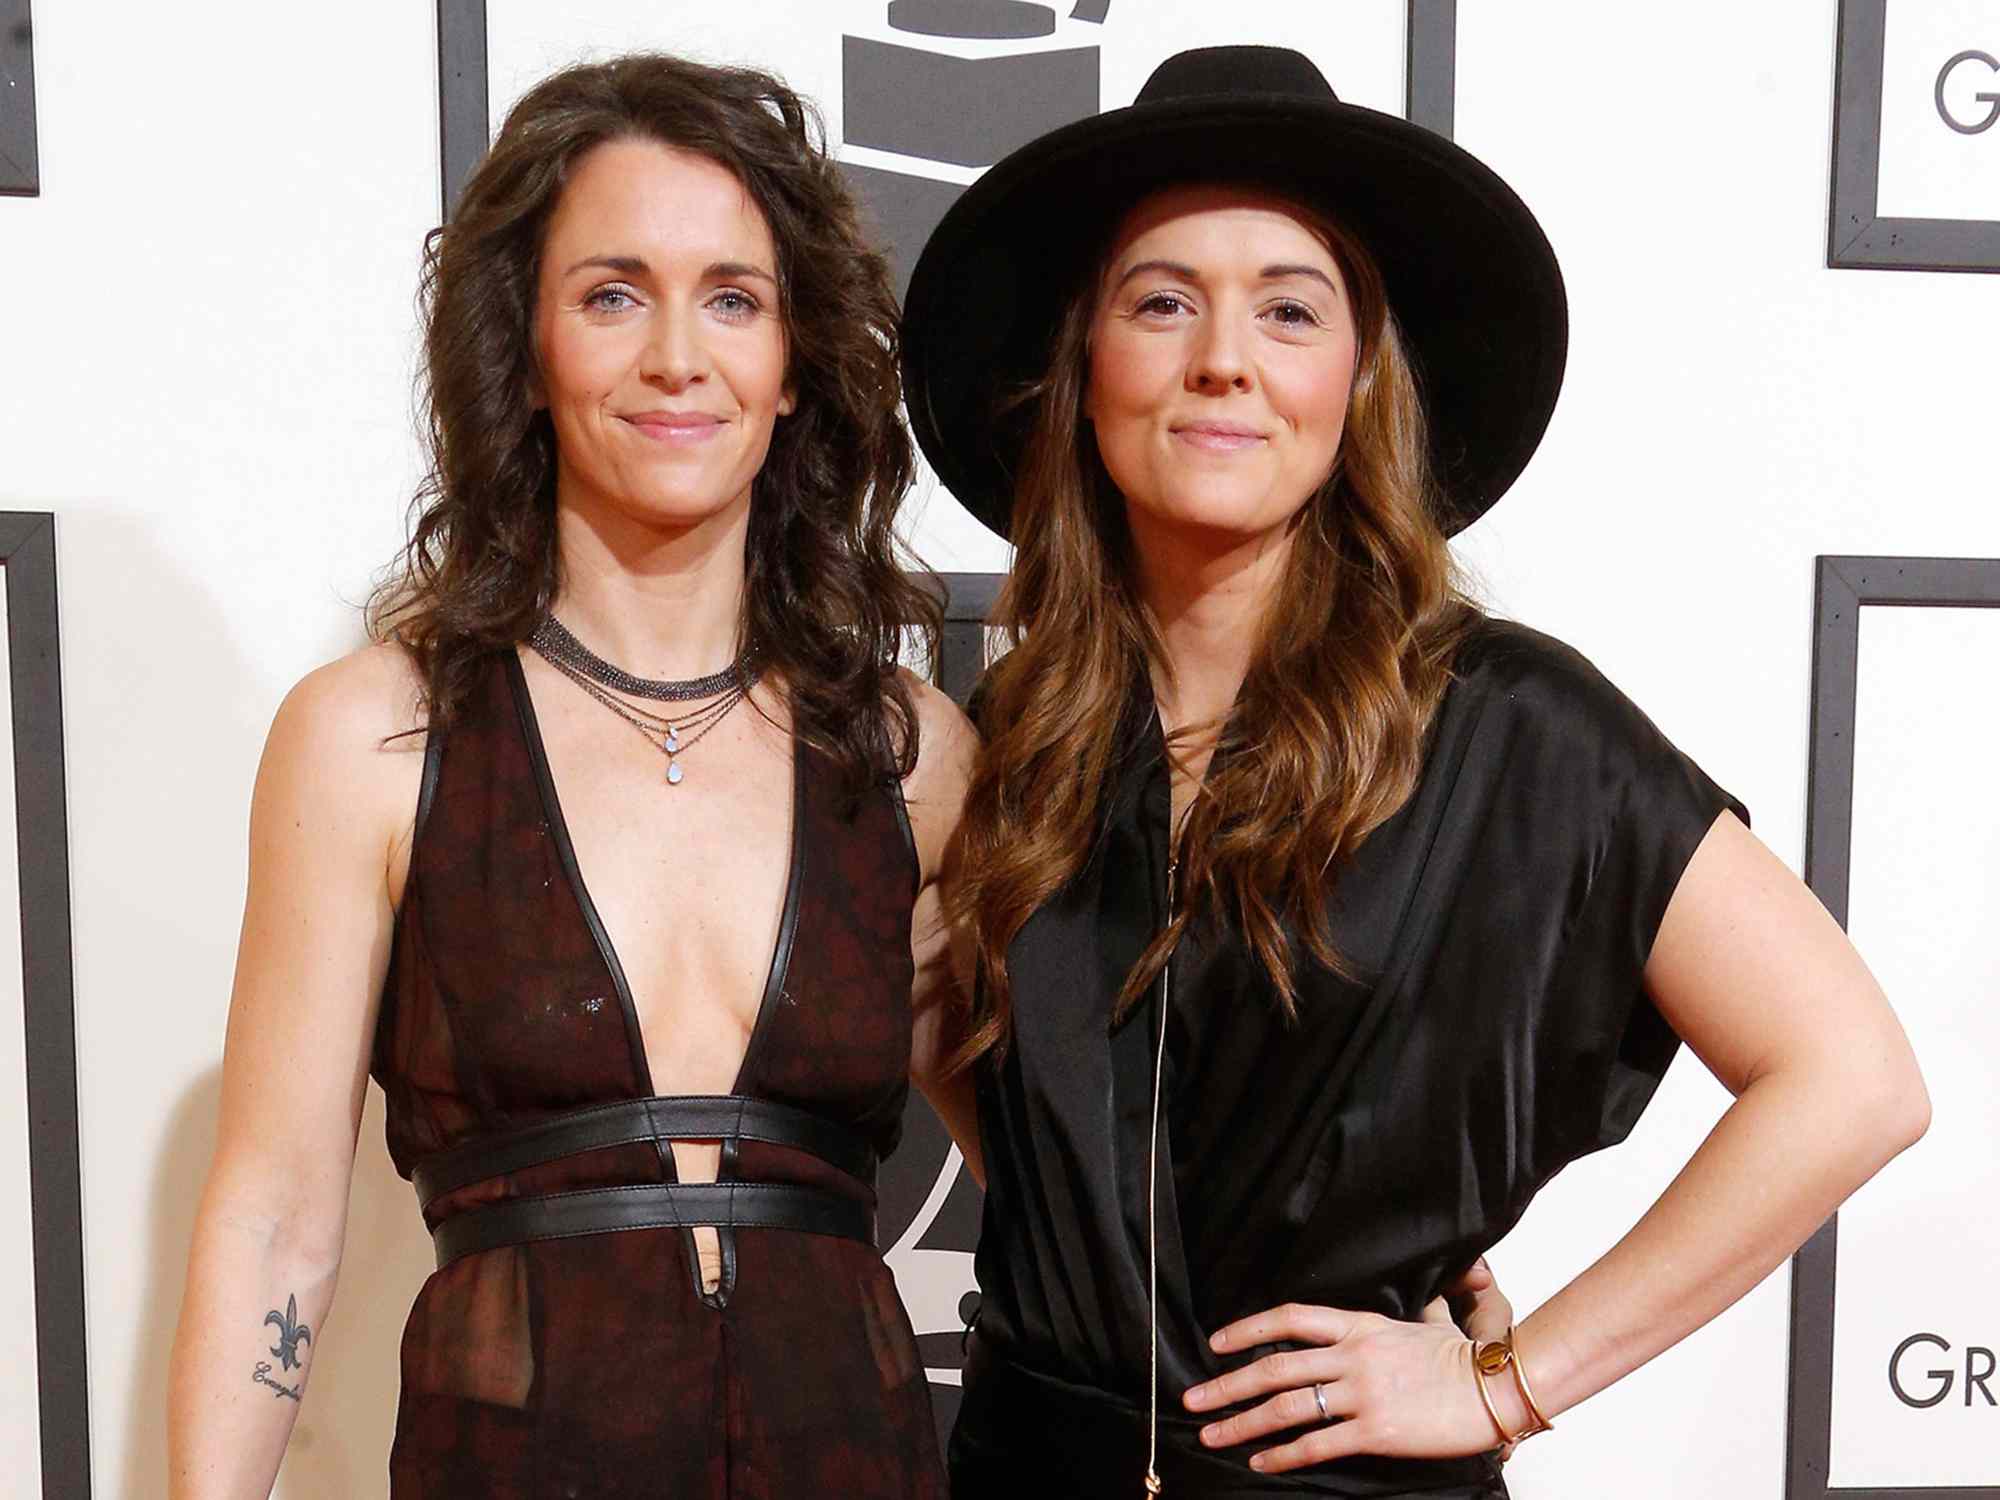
712 696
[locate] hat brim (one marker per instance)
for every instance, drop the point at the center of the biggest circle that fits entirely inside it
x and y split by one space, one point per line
1470 276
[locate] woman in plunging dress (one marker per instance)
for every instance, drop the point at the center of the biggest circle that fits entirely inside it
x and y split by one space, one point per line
614 859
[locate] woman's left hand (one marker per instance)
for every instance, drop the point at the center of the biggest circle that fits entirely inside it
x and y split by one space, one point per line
1398 1389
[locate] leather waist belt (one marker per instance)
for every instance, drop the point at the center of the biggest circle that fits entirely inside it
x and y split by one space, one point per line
697 1117
665 1205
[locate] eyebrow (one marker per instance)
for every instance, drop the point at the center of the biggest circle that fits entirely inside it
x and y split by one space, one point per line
1279 273
1171 267
633 265
1269 273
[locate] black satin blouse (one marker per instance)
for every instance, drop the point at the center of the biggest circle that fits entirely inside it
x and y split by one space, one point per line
1364 1155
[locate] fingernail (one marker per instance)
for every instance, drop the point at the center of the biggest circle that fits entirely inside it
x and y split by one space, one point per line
1195 1396
1257 1461
1217 1341
1211 1435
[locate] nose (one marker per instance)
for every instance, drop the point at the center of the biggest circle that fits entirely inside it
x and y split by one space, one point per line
1218 361
674 357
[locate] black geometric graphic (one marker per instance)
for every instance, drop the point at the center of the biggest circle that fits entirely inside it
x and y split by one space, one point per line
965 112
1857 237
41 824
995 20
20 158
969 112
912 1178
1844 586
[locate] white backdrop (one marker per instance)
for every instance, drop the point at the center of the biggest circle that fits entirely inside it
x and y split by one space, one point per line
1920 1246
206 338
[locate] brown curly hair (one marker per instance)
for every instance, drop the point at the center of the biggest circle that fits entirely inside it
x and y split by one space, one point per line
826 607
1327 734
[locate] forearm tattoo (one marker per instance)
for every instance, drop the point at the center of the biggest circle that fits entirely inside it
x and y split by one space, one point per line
291 1334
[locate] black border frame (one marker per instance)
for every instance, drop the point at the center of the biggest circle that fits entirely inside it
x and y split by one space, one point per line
1430 83
1843 586
55 1182
463 126
1857 238
20 149
1430 65
968 600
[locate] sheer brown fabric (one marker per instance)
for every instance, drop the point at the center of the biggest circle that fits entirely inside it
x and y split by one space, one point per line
597 1365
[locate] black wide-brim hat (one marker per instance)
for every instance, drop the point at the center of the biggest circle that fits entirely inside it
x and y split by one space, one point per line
1470 276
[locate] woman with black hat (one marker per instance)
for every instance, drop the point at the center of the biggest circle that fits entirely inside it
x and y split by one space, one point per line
1320 919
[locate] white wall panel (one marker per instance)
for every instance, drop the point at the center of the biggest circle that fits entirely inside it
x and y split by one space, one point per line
1929 170
1924 904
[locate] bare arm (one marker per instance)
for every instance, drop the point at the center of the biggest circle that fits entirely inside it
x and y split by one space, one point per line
935 792
1765 988
1751 971
324 845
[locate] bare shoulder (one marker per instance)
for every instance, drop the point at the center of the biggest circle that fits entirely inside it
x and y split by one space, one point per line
371 693
353 727
947 746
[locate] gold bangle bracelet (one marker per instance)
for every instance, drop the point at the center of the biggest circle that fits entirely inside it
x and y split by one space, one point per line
1542 1423
1491 1359
1487 1399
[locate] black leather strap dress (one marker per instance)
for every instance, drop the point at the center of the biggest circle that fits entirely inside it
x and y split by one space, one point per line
1496 1030
565 1345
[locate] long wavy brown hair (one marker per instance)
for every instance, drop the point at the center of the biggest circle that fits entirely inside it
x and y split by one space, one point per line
1327 734
825 605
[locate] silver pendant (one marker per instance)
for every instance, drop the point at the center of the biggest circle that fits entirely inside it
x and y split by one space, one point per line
673 773
673 740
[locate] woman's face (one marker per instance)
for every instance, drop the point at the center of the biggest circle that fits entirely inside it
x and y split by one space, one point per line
1221 354
659 336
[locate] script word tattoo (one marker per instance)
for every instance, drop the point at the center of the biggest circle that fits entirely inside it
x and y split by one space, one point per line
262 1375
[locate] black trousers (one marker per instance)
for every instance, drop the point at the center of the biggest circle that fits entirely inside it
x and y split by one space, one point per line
1023 1435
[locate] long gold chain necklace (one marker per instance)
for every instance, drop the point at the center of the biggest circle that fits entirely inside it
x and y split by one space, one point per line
1153 1482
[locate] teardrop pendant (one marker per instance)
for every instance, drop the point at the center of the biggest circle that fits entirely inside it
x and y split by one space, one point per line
673 773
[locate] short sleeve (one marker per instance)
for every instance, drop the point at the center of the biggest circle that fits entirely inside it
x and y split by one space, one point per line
1623 811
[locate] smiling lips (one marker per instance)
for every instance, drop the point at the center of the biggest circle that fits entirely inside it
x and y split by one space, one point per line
677 427
1217 437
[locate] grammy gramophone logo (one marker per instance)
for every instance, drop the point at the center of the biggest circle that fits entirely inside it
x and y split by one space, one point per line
964 83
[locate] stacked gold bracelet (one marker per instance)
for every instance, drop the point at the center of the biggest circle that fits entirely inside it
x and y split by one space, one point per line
1491 1358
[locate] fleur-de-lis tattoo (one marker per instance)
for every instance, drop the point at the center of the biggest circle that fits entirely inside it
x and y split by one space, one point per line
291 1333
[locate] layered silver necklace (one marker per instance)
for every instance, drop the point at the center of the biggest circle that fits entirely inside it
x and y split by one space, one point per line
672 734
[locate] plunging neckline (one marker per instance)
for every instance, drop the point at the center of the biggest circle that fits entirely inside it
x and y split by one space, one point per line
781 950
